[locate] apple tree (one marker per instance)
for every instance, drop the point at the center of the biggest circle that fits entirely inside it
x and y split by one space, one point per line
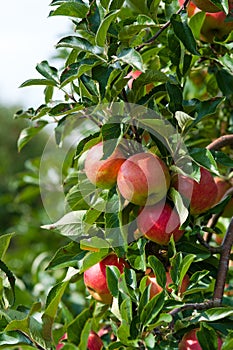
137 177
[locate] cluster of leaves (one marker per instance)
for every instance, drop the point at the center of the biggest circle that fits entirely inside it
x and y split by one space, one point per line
188 105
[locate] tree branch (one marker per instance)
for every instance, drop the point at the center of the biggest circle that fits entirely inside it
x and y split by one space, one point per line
165 26
223 264
225 140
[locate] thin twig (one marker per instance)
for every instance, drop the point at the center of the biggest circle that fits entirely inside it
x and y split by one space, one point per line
165 26
213 250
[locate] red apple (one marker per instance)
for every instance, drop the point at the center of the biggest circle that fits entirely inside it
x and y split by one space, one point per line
94 341
215 26
143 179
191 8
190 342
202 195
222 185
96 281
134 75
159 222
156 288
103 172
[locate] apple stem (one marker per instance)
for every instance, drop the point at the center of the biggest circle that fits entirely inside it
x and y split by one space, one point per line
165 26
223 264
222 141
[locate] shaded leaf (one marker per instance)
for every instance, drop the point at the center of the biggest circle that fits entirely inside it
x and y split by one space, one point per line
27 134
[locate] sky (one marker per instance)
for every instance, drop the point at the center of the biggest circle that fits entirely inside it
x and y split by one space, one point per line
27 37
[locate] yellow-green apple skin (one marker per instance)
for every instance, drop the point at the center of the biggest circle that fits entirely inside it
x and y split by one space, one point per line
159 222
190 342
103 172
143 179
96 281
200 195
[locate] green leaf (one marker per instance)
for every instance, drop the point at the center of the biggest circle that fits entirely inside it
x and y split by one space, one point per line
183 119
206 108
207 338
104 26
132 58
185 265
225 81
27 134
66 256
179 205
228 342
175 97
4 243
31 82
113 275
222 158
152 309
79 44
75 70
196 22
158 270
205 158
184 33
126 310
215 314
52 302
47 71
11 280
75 328
74 199
136 254
70 225
76 9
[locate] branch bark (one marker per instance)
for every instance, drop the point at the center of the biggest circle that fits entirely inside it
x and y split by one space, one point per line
225 140
165 26
224 264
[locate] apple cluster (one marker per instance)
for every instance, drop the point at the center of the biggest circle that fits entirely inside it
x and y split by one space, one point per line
144 180
215 24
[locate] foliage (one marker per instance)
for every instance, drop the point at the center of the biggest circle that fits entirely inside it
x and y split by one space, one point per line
188 104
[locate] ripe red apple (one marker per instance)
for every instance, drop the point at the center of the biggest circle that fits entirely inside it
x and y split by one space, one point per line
202 195
222 185
143 179
215 26
103 172
159 222
191 8
190 342
94 341
134 75
96 281
156 288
